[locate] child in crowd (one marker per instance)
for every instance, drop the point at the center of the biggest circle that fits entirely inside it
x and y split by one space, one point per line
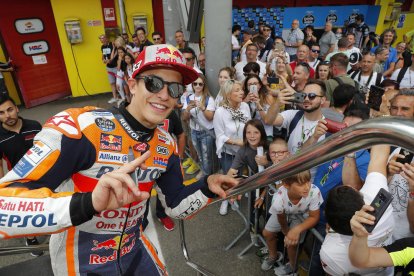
297 196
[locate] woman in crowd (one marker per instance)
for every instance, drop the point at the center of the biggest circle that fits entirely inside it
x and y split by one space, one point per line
229 121
310 38
259 100
322 71
129 63
199 109
225 74
121 84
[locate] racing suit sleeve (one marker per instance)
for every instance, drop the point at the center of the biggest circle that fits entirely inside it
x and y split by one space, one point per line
181 201
29 204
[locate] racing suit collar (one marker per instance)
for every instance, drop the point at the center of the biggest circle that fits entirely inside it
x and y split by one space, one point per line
135 125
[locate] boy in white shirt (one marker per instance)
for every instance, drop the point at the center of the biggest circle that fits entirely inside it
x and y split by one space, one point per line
297 196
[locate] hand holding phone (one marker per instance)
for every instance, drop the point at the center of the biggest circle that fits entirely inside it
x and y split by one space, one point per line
375 97
408 156
380 203
253 89
298 97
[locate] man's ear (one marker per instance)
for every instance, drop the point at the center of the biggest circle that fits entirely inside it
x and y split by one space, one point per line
132 84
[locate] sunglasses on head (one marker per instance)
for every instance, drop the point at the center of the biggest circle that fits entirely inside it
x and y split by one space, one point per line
315 51
311 96
198 84
155 84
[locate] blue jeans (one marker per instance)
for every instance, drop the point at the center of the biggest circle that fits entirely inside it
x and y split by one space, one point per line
225 161
203 144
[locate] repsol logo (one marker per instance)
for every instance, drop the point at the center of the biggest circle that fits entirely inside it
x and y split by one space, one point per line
129 130
150 174
18 221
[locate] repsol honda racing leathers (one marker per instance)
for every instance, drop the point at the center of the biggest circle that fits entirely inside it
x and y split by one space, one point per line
49 191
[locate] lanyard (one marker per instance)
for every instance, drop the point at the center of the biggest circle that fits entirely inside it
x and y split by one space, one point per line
369 78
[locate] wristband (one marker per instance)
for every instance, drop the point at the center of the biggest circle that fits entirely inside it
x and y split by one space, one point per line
411 195
351 155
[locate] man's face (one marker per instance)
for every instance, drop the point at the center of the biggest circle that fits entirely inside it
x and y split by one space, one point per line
150 109
314 52
351 39
388 38
9 114
300 75
278 152
246 37
135 40
202 60
328 26
251 53
383 56
189 59
367 64
403 106
103 39
157 39
314 104
267 31
179 37
125 37
295 24
141 35
302 53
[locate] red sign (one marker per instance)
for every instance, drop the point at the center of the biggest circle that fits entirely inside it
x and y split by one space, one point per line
109 15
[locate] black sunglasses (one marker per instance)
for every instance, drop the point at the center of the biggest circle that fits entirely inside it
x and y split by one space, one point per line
156 38
311 96
155 84
315 51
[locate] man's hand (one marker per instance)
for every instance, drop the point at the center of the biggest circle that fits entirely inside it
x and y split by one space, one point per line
362 217
219 183
408 174
393 166
285 96
292 237
320 129
116 189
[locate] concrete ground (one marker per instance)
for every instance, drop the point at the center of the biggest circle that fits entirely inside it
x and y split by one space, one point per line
207 234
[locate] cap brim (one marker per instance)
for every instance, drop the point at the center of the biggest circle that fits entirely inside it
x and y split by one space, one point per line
189 74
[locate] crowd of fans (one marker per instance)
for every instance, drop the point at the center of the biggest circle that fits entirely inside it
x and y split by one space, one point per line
284 94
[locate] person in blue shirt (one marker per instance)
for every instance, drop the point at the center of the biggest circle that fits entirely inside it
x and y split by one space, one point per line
350 170
387 38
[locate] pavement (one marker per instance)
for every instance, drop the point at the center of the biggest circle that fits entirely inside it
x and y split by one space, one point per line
207 234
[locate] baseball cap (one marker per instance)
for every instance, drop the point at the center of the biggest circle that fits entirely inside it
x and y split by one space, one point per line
164 56
354 58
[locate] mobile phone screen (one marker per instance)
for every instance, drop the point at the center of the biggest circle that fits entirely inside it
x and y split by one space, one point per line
408 156
375 97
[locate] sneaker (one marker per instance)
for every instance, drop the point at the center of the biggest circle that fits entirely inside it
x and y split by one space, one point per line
268 262
224 207
187 163
168 223
262 252
192 169
34 241
285 270
112 100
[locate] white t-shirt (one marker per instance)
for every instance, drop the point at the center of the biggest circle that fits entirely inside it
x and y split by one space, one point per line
239 70
408 79
283 205
197 116
303 130
226 128
362 80
235 43
334 251
399 189
268 128
314 64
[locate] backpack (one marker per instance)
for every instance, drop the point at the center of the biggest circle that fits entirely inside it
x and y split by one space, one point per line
294 123
355 73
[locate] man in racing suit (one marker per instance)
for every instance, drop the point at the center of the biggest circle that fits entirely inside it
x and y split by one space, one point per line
96 217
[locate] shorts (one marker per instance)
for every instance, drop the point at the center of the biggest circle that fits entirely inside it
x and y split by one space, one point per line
273 225
111 74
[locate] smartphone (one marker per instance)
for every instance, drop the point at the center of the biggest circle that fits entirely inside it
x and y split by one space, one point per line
408 156
253 89
380 203
375 97
272 80
279 47
298 97
333 126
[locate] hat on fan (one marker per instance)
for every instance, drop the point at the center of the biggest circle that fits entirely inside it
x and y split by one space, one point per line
164 56
354 58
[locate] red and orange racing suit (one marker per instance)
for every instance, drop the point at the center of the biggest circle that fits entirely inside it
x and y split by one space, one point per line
49 191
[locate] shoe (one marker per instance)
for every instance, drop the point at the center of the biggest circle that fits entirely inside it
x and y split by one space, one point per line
268 262
262 252
224 208
112 100
187 163
34 241
192 169
168 223
285 270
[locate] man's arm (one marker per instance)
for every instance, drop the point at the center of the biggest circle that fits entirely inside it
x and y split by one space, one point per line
350 174
390 70
360 254
292 237
379 159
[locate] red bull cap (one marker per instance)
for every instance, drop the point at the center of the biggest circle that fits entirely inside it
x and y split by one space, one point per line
164 56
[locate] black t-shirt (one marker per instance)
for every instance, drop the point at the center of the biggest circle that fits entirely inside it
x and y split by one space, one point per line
14 145
403 251
106 51
146 43
173 124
